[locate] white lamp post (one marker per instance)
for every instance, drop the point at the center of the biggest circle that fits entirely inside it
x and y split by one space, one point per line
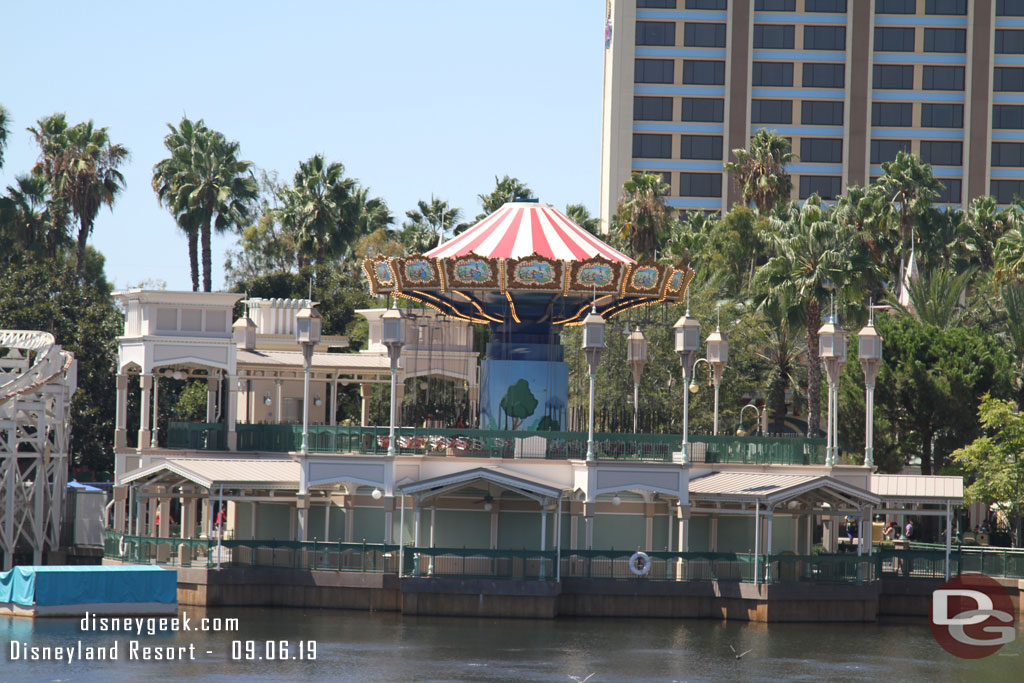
757 411
307 334
593 345
870 352
717 358
636 355
393 337
832 350
687 340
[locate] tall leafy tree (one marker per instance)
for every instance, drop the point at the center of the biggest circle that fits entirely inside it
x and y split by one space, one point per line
935 296
760 171
4 124
27 221
82 166
508 189
642 215
813 256
319 210
374 213
429 224
205 186
910 186
982 226
580 215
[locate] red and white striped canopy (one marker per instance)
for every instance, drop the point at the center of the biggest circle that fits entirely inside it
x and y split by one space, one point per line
521 229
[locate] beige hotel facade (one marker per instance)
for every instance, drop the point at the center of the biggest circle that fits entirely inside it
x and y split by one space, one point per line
849 82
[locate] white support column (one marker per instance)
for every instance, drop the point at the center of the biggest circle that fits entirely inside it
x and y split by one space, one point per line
327 520
949 536
121 415
334 402
154 442
146 383
350 516
713 534
278 405
365 392
796 534
230 412
770 515
252 520
389 519
757 542
495 511
543 529
648 526
211 400
588 512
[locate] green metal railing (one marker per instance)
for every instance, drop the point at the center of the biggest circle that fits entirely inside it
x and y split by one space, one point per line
504 444
316 555
928 560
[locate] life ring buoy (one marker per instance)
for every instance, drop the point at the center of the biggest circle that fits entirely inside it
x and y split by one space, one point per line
640 564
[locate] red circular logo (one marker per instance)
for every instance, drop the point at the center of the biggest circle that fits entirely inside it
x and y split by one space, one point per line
972 616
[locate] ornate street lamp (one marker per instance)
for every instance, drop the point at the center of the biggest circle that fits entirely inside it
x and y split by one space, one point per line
307 334
393 337
832 350
757 411
717 358
636 355
870 352
593 345
687 340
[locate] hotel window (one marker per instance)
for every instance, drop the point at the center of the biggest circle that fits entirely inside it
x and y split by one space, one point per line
892 114
895 6
775 5
703 109
706 4
942 78
1005 191
771 111
700 147
825 186
1010 8
945 7
949 193
894 39
945 40
655 33
773 37
647 146
703 35
821 150
701 72
826 6
824 37
773 74
942 152
821 113
942 115
700 184
1008 153
653 71
886 150
1008 116
824 75
892 77
652 108
656 4
1009 79
1009 42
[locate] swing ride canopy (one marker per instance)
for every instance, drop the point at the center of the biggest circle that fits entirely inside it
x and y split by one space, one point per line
526 263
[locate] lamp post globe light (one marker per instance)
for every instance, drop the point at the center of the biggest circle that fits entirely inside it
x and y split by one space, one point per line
393 337
687 342
832 350
593 345
308 322
636 355
869 344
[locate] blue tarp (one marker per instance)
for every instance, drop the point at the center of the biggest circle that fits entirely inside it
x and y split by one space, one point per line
73 585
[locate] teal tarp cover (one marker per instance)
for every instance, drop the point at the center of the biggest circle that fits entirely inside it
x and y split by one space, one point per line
60 585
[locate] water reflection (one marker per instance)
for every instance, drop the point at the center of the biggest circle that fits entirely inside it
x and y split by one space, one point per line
360 646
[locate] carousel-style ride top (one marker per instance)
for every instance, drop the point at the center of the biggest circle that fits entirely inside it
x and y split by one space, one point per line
526 270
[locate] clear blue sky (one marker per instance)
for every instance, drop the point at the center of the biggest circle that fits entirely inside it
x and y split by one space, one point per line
413 97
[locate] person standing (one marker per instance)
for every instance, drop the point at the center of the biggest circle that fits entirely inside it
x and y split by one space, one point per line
908 531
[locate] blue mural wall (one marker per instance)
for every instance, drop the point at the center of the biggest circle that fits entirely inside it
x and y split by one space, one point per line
523 395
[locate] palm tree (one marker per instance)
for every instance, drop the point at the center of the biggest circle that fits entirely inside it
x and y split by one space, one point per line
508 189
1009 250
982 226
813 255
580 215
26 210
3 133
935 296
783 350
374 213
910 187
81 164
436 217
205 185
760 172
642 215
319 210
